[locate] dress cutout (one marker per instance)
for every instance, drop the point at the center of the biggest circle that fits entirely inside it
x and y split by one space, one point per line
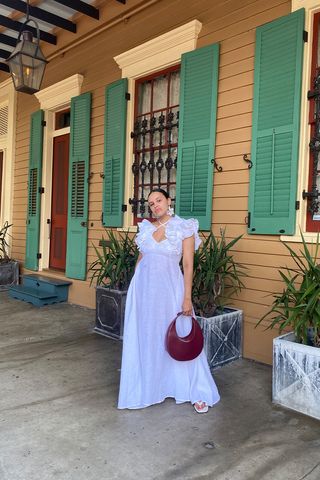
155 296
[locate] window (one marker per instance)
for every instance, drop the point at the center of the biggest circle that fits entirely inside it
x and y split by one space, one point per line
313 202
62 119
155 137
192 185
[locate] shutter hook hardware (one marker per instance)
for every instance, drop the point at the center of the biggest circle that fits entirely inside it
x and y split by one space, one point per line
90 176
216 166
102 175
247 159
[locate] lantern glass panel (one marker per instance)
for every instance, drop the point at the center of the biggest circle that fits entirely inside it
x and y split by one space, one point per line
27 64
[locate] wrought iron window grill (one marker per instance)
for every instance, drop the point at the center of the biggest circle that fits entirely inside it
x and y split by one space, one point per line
155 138
314 145
155 158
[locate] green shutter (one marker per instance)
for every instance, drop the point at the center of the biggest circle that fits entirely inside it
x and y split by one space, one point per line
77 231
197 133
276 119
114 152
34 195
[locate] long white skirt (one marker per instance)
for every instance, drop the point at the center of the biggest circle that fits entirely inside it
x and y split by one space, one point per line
148 373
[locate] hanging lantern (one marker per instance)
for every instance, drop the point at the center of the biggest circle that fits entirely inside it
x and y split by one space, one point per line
27 62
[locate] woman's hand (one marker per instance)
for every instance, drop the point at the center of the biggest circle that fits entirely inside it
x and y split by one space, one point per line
187 307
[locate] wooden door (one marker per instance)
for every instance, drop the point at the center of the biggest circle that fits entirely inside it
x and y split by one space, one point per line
59 209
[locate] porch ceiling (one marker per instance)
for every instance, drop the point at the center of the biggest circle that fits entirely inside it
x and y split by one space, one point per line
52 16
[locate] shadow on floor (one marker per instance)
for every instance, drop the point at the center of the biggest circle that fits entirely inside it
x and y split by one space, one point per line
58 417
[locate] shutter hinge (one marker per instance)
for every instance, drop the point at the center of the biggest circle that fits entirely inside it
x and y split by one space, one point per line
43 123
297 205
39 256
127 96
41 190
305 36
123 208
101 218
249 219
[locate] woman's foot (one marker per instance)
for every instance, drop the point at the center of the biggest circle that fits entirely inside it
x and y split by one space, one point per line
201 407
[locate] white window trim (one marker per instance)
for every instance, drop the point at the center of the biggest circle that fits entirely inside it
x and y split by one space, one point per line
8 96
152 56
311 7
52 99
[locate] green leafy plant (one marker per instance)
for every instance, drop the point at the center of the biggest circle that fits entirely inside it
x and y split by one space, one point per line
217 276
4 245
115 263
297 306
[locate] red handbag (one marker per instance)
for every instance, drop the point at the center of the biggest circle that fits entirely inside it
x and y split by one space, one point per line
184 348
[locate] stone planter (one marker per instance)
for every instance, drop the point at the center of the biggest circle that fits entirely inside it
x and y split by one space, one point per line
222 336
9 274
110 307
296 375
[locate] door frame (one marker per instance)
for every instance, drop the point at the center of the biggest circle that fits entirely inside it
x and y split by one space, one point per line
8 96
47 171
52 99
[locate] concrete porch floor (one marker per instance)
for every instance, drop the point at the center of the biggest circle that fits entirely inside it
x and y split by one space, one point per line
58 416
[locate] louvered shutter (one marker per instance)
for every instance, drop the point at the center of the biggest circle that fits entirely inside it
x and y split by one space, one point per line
197 132
276 120
77 231
34 196
114 152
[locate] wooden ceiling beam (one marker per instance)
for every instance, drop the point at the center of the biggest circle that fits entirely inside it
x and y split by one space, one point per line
14 25
11 41
81 7
4 67
4 54
40 14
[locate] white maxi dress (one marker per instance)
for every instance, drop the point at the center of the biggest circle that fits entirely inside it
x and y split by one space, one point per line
155 296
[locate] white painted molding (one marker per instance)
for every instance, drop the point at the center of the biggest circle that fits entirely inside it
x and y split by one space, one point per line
307 4
60 93
159 52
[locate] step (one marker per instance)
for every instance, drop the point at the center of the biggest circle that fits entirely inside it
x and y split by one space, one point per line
35 277
32 295
49 285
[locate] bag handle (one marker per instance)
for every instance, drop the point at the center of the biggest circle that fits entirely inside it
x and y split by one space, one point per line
193 329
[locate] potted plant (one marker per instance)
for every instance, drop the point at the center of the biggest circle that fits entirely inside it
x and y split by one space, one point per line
217 276
296 355
9 268
111 272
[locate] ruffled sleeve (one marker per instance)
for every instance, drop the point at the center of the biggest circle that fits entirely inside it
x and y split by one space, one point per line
144 228
191 227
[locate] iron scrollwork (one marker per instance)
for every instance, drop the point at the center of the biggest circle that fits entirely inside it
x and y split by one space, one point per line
314 146
247 159
216 166
155 156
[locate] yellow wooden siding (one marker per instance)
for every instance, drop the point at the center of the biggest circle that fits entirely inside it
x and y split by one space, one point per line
232 24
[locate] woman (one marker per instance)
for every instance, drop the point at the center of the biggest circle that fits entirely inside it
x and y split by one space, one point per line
158 291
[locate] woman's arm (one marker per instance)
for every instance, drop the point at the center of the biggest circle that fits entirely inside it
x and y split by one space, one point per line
187 262
138 260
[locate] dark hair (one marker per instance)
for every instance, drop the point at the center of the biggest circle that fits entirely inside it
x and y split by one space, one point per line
160 190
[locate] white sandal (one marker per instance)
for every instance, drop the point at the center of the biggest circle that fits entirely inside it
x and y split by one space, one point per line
200 407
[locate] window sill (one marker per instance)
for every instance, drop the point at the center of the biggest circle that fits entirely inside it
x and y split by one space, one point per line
132 228
310 237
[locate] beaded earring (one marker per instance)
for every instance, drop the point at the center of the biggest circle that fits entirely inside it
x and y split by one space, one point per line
170 211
